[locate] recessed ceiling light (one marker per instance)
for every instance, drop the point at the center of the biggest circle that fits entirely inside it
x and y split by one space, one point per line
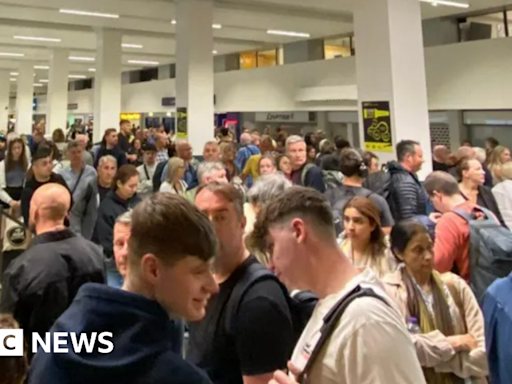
214 52
217 26
92 69
81 58
77 77
13 79
34 38
86 13
143 62
43 81
38 85
14 73
447 3
173 22
11 54
137 46
41 67
288 33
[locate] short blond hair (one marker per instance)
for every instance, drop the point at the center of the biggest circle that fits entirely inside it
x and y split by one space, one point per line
174 164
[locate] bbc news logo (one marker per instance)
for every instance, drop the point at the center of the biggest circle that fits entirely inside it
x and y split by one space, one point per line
12 342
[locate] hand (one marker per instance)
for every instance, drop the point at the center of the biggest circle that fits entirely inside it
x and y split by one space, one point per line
462 343
434 217
14 204
282 378
131 157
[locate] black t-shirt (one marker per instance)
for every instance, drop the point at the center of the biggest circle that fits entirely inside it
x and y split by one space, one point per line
439 166
123 142
260 341
102 191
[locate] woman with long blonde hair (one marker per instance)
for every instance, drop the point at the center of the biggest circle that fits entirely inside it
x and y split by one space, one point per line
499 156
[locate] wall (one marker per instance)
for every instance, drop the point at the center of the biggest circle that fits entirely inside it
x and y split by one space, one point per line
440 32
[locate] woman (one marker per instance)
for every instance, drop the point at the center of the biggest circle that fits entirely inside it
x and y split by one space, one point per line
174 182
267 165
503 194
228 155
472 177
284 166
363 241
119 200
442 313
12 173
311 154
499 156
136 149
59 139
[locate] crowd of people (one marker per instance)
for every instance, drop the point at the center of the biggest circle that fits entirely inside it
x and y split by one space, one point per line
275 259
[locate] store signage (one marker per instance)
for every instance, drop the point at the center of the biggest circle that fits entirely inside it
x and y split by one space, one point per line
377 126
286 117
130 116
168 102
72 107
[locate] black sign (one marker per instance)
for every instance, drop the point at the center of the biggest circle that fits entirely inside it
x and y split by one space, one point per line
377 126
168 102
72 107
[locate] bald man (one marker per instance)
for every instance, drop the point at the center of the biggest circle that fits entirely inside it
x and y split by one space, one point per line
39 285
440 155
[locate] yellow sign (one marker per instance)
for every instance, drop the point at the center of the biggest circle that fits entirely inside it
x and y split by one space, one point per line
130 116
377 126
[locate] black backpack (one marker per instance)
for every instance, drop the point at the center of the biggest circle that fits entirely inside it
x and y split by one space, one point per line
157 177
379 183
301 305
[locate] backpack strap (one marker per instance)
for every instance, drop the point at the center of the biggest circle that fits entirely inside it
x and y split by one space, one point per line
330 322
471 216
305 171
252 275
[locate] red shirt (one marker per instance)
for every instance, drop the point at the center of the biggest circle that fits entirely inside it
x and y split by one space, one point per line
452 242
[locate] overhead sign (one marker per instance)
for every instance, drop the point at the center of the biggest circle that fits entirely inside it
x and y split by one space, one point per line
286 117
168 102
130 116
377 126
72 107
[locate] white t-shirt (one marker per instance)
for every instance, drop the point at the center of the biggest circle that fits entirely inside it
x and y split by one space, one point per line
371 344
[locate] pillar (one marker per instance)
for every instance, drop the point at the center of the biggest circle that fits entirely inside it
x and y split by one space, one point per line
391 68
56 115
194 69
25 98
107 82
5 88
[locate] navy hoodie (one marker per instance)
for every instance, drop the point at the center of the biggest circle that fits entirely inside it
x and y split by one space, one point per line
142 335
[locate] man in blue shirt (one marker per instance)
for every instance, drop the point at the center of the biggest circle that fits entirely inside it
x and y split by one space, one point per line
246 150
497 310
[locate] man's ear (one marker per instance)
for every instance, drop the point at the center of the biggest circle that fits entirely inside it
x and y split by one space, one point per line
299 230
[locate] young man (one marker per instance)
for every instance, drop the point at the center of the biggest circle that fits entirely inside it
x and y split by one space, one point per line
125 132
313 177
39 285
82 179
147 171
42 169
407 197
245 345
169 253
370 343
107 168
353 167
110 146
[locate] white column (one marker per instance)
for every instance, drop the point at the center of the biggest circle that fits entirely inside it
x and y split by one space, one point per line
25 98
107 82
5 88
391 67
56 115
194 69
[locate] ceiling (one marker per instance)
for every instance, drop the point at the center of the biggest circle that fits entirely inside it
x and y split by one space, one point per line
148 23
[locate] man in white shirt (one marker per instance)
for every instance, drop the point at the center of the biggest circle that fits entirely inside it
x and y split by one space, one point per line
370 343
147 171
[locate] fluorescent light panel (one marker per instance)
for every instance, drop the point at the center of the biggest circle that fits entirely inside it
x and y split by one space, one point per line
217 26
81 58
288 33
37 85
447 3
11 54
41 67
87 13
92 69
77 77
43 81
13 79
214 52
173 22
137 46
14 73
143 62
35 38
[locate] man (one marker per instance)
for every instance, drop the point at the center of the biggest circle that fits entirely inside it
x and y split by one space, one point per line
451 248
307 175
370 343
184 152
39 285
441 154
35 140
406 195
82 180
248 344
169 253
497 310
42 169
161 141
353 167
246 150
256 137
125 132
211 151
341 144
208 173
109 146
83 140
107 168
147 171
